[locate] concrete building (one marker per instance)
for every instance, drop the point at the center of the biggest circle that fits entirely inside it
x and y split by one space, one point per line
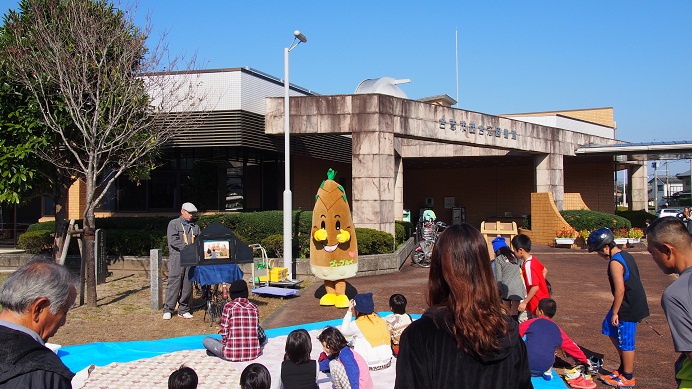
391 154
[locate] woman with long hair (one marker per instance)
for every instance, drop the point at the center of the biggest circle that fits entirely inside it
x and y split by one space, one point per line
463 340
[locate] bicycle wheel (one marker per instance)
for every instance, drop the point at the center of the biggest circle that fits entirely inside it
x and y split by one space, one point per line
421 254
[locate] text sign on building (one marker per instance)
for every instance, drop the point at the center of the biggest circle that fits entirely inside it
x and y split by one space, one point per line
481 129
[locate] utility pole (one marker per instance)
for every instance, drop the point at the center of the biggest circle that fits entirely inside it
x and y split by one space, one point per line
655 185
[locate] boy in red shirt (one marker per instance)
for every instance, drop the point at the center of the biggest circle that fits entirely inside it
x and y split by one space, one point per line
534 275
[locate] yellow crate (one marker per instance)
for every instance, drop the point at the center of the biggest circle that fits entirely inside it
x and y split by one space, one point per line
276 274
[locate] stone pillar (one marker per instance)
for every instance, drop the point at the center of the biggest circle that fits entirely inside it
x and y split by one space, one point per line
398 187
155 263
373 169
550 178
638 190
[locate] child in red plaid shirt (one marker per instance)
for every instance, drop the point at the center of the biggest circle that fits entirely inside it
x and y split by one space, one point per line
239 325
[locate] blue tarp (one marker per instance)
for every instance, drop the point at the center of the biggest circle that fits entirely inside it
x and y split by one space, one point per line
78 357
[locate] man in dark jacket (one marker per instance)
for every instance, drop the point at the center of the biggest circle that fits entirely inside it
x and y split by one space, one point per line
181 231
35 301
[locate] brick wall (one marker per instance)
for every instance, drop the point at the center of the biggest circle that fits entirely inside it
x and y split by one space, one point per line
573 201
545 218
602 116
75 203
486 192
593 181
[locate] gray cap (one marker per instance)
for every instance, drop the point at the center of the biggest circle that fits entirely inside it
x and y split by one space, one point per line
189 207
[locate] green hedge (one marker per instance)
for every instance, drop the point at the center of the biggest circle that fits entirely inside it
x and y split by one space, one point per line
374 241
135 242
402 231
137 235
45 226
591 220
274 244
637 218
36 241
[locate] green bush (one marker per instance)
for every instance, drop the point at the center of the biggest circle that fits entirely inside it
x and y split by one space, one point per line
43 226
135 242
36 241
274 244
591 220
138 235
158 223
637 218
374 242
402 231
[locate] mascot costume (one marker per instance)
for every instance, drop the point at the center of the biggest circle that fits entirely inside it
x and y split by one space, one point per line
333 244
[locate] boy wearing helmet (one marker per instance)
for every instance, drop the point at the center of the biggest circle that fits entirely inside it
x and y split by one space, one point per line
629 304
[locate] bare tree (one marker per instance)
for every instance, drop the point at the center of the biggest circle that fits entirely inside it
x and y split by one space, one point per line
90 54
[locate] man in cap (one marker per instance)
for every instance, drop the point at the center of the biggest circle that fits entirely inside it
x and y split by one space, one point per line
180 233
35 300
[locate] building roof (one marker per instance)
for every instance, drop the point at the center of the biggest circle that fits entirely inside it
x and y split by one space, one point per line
642 151
382 85
444 100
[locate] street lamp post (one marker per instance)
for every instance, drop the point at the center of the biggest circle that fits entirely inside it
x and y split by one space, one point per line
288 197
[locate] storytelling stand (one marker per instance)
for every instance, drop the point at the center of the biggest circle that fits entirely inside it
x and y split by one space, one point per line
213 258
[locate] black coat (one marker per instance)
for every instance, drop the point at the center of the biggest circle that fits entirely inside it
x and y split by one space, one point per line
26 363
429 358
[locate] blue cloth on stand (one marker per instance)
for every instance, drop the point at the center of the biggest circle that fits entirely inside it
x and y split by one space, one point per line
214 274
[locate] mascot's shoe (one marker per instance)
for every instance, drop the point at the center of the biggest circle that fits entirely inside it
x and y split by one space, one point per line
328 299
342 301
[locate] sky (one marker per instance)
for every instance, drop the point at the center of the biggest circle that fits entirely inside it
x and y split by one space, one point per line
513 56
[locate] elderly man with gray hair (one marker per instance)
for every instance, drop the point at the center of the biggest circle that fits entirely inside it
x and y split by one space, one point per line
35 300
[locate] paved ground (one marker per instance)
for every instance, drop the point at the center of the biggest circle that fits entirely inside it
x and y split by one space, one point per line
580 287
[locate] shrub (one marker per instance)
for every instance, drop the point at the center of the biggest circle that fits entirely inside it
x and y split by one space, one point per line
43 226
135 242
374 241
36 241
591 220
138 235
637 218
274 244
402 231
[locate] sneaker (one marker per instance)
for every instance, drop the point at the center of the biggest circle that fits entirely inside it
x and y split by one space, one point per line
620 381
615 374
581 383
548 375
572 373
186 315
167 316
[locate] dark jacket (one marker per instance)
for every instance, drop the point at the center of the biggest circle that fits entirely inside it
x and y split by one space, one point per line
25 363
429 358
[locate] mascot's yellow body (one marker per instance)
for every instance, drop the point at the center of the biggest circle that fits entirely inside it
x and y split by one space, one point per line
333 247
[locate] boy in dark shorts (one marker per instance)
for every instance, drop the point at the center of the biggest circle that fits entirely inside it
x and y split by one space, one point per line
629 304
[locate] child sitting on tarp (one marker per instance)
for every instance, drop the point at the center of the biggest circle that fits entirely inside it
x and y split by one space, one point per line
542 337
241 336
371 338
398 320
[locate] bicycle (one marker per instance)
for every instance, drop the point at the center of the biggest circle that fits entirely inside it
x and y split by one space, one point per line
426 234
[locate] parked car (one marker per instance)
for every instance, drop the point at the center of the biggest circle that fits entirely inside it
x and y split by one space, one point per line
669 212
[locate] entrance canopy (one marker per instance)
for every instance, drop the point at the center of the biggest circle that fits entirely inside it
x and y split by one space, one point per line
641 151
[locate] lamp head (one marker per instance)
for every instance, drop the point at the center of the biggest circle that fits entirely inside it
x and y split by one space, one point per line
300 36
